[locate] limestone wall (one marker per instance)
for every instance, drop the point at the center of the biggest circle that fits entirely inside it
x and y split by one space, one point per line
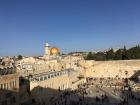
119 68
60 82
43 91
9 88
9 82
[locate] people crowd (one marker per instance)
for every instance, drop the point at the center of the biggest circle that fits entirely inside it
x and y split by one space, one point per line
80 96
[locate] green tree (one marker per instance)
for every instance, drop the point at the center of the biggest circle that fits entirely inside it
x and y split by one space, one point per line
110 54
89 56
118 55
20 57
99 56
134 52
125 55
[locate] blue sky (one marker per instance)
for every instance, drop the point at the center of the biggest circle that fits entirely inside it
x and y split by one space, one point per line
71 25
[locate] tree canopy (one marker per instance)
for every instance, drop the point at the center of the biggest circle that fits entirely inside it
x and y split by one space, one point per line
120 54
20 57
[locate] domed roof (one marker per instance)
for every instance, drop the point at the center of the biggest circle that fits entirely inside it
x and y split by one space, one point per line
54 50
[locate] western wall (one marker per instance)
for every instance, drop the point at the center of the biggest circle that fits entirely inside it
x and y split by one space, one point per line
114 68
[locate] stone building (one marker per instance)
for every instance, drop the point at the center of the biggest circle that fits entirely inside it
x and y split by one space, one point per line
48 76
45 86
9 86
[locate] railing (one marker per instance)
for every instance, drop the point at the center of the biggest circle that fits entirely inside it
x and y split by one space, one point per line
48 75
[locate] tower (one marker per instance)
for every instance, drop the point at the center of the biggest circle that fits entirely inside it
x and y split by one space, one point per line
47 49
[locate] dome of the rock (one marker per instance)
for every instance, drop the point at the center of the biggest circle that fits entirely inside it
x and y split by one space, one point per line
54 50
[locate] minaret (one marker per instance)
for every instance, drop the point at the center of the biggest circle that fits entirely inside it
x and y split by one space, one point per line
47 49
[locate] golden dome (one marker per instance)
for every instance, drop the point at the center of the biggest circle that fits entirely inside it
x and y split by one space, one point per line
54 50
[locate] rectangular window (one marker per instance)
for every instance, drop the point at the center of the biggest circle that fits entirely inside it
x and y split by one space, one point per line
1 86
52 76
10 84
4 85
48 76
41 78
45 77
